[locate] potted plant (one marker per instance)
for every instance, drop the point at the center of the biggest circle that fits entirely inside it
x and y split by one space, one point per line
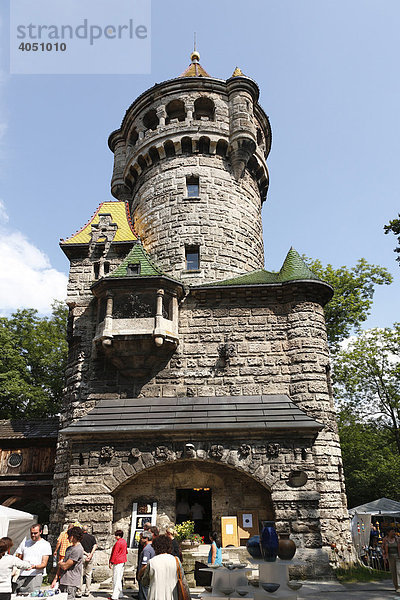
186 536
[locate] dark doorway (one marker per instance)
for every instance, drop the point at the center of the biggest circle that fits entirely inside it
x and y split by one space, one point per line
194 504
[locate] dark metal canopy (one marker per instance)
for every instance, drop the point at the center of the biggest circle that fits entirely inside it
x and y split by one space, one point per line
267 413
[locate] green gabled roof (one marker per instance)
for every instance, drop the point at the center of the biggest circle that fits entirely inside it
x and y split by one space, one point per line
137 255
293 269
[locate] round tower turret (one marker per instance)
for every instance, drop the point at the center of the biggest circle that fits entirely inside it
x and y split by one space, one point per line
190 157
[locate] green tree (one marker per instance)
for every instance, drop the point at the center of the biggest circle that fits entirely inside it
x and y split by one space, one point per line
32 363
394 227
367 379
370 460
352 301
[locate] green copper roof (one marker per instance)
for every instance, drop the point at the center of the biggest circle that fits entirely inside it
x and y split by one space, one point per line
137 256
293 269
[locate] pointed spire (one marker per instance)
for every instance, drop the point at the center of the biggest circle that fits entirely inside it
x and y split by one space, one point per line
195 69
237 72
294 268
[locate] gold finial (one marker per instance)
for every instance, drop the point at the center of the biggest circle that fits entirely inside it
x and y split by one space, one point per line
237 72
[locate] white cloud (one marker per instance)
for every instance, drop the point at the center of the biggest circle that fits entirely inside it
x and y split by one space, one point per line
27 279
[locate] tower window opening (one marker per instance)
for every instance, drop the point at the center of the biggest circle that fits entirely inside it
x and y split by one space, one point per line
204 145
133 269
204 108
192 187
169 149
106 268
133 137
186 144
96 270
192 255
150 120
153 153
175 110
222 148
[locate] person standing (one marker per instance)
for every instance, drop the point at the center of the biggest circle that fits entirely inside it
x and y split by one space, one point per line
62 543
215 554
89 546
161 574
391 552
144 559
7 563
36 551
69 571
141 544
118 558
176 550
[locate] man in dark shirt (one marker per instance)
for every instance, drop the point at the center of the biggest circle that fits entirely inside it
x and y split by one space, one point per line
144 558
142 543
89 545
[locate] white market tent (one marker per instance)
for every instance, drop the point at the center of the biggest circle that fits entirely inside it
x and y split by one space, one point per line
361 519
383 507
15 524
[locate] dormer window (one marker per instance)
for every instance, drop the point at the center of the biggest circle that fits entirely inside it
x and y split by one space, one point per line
192 255
133 269
192 187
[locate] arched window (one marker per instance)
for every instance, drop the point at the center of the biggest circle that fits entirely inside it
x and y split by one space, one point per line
133 137
155 157
204 108
222 148
142 163
252 166
169 149
186 144
175 110
204 145
260 138
150 120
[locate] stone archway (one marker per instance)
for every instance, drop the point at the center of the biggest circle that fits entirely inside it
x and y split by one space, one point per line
232 490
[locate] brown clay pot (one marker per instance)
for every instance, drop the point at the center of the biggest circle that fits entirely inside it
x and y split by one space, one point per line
286 547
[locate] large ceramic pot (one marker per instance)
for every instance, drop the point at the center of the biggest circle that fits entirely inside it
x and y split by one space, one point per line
253 546
269 541
286 547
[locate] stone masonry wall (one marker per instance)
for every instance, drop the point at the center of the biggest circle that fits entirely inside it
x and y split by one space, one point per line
224 221
279 347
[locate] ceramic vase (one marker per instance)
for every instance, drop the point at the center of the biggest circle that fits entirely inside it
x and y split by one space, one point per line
269 541
253 546
286 547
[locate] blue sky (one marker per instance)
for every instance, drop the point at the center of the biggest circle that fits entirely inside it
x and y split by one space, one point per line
328 72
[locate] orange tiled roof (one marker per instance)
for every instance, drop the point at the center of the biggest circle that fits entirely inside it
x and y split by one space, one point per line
120 215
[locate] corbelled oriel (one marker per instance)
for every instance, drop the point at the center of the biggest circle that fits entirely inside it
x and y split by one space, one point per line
190 159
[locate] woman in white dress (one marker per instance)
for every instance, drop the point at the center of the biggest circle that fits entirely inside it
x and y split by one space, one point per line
161 573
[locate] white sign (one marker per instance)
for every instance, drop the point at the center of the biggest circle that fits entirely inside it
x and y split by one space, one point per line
247 521
229 529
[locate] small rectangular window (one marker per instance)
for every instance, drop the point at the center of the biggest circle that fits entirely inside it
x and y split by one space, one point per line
106 268
192 187
96 269
133 269
192 254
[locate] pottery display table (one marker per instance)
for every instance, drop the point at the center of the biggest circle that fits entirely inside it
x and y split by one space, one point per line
275 572
225 583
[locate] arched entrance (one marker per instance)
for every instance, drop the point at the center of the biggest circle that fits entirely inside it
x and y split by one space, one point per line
218 489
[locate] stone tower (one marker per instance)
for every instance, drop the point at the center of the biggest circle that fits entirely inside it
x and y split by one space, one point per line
195 374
